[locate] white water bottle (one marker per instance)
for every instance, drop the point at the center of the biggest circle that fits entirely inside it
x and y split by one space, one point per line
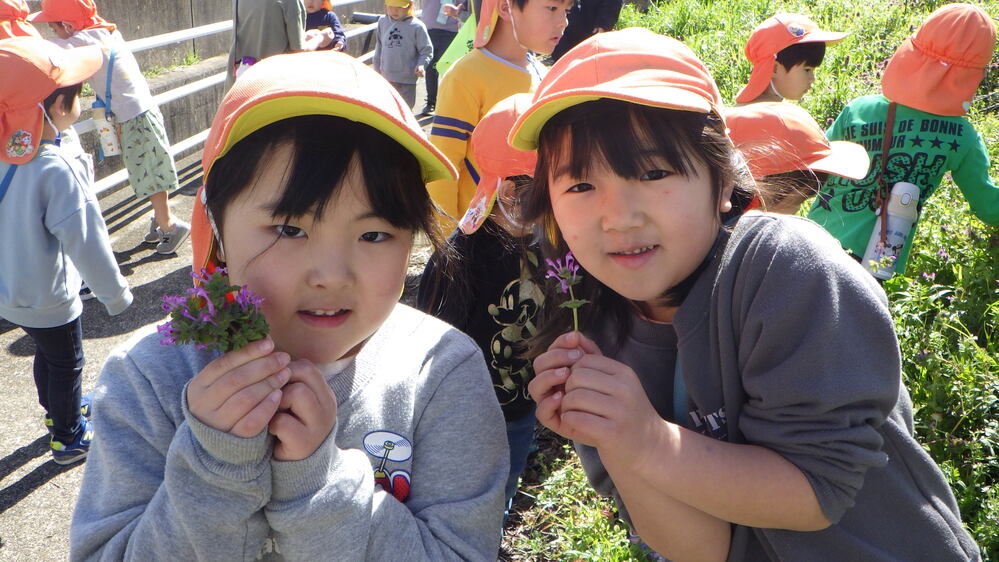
105 130
902 213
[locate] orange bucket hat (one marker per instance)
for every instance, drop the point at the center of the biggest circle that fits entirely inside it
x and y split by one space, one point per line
633 65
779 137
486 18
82 14
771 37
497 160
41 67
938 68
13 20
314 83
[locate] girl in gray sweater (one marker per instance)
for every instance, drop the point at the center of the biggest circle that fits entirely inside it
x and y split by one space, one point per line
359 429
738 388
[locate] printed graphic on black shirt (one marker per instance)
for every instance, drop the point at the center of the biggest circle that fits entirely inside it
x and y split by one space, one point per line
515 312
918 154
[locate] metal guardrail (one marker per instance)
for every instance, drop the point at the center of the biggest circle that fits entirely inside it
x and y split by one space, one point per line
110 181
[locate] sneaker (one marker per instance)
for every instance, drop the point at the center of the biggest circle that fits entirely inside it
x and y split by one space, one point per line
154 235
84 410
68 453
172 240
427 109
85 293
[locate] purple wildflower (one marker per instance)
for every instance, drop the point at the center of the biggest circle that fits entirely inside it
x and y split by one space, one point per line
929 276
166 333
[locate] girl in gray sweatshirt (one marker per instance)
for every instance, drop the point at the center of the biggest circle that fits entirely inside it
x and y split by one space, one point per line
359 428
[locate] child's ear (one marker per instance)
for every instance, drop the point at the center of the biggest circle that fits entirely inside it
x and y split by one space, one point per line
505 8
70 29
726 199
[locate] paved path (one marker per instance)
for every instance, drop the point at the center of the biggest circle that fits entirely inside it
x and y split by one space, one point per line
36 495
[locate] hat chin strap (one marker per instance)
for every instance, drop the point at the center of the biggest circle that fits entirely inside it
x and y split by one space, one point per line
513 25
58 136
773 87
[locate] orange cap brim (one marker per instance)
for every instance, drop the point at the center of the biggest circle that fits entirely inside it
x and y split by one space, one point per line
524 135
846 159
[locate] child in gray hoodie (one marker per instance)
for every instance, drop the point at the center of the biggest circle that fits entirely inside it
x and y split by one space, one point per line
52 228
403 49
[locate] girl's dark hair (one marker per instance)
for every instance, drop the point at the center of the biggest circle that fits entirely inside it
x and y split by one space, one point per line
786 191
809 53
642 137
323 148
69 93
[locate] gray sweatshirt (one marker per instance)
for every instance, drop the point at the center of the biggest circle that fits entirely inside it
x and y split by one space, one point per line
785 342
52 231
401 46
161 485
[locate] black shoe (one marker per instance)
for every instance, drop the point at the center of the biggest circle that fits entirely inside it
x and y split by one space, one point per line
427 109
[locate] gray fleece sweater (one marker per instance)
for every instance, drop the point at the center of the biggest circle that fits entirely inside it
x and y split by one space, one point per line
52 234
401 46
161 485
785 342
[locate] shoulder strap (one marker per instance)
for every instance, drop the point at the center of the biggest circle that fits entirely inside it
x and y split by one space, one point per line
107 87
7 178
882 195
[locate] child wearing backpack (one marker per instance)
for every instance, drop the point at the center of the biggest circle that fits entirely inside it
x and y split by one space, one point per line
487 283
54 231
915 131
124 93
736 380
359 428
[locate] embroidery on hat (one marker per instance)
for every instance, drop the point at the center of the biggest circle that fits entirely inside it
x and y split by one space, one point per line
19 144
795 30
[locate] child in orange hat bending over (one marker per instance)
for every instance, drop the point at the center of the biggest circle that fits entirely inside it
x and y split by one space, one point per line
786 148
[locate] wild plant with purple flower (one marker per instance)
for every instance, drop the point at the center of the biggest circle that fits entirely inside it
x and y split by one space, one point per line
567 274
213 314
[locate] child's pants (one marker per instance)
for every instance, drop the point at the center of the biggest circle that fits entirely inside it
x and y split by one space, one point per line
520 437
146 151
58 368
407 91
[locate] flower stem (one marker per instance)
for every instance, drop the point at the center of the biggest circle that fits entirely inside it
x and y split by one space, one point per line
575 317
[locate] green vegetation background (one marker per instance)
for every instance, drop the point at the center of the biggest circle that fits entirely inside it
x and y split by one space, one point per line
946 305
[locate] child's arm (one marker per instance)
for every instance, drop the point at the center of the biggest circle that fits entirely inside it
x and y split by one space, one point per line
339 37
74 217
294 24
458 111
377 58
159 482
972 176
327 506
424 48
